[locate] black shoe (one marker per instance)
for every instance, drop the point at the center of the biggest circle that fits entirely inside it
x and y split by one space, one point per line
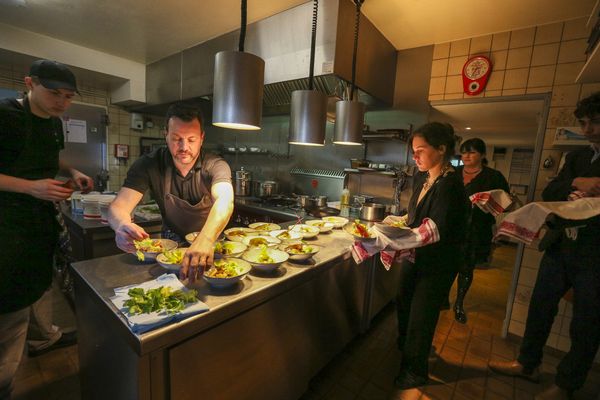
408 380
66 339
460 315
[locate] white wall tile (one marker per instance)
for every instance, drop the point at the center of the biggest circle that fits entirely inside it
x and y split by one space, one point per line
500 41
572 51
481 45
575 29
550 33
546 54
441 50
522 37
519 57
460 47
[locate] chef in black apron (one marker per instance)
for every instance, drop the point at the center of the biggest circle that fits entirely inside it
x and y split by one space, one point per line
192 189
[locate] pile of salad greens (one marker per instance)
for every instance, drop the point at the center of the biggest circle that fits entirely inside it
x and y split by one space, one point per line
162 298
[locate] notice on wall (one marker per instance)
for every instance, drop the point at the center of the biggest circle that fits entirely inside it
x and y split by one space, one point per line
75 130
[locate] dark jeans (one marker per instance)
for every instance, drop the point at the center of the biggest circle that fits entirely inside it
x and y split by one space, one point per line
420 295
566 265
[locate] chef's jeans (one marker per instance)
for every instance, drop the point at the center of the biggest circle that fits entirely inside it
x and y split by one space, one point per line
563 266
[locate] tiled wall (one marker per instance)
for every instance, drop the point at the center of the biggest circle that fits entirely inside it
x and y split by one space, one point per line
543 59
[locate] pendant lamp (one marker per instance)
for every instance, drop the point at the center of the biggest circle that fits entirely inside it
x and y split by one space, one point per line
350 114
238 86
308 116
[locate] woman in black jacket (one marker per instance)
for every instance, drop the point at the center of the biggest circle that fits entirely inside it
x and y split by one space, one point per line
477 177
438 195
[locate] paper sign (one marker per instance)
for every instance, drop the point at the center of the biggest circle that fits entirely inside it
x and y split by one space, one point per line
76 131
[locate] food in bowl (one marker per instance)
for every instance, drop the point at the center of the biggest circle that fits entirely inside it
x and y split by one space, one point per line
225 268
337 222
265 258
257 241
226 248
322 225
264 226
237 234
300 251
147 249
306 231
171 259
285 235
360 229
299 248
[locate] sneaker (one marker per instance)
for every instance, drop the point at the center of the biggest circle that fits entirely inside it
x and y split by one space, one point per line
66 339
407 380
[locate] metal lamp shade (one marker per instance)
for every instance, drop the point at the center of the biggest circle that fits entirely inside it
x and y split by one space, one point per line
238 90
308 118
349 121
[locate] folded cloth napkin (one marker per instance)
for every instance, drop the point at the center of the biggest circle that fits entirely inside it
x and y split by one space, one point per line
525 223
492 201
396 248
140 323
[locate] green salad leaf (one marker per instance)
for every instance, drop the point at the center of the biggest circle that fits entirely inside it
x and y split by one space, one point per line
162 298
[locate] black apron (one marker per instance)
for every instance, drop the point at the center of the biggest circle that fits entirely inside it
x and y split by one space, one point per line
181 217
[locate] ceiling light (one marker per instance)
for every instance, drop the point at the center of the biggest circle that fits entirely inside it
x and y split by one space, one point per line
238 86
350 114
308 116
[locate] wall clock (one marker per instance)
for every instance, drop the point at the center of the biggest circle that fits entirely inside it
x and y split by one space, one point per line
475 74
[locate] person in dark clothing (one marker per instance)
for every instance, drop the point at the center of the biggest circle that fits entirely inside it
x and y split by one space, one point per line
438 195
31 137
477 177
572 261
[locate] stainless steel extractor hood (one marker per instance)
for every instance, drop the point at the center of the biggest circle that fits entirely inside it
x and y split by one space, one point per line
283 41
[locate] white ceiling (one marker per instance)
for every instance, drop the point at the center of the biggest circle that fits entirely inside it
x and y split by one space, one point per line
148 30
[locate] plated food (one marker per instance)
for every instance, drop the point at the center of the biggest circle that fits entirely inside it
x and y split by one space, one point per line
238 234
322 225
265 258
264 226
226 248
171 259
299 251
393 226
257 241
147 249
360 231
337 222
190 237
226 272
307 231
286 236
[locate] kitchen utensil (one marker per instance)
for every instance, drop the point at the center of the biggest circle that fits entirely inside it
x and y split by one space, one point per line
305 201
265 188
372 212
320 201
362 199
243 179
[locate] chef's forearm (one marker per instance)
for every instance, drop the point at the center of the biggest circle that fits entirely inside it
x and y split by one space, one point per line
218 217
13 184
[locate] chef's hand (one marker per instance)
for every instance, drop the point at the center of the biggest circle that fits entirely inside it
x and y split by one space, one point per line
83 182
49 189
126 233
197 258
590 186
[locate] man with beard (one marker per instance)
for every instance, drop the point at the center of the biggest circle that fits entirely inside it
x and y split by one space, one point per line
192 189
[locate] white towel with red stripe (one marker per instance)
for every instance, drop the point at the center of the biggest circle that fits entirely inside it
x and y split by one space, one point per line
525 223
492 201
396 248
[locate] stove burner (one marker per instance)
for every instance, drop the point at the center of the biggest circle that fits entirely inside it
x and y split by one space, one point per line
279 201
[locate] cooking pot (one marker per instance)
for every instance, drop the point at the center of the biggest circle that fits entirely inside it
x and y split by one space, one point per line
265 188
320 201
305 201
242 182
372 212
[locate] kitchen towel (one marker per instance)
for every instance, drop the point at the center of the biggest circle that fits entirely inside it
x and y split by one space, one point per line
141 323
493 202
525 223
396 248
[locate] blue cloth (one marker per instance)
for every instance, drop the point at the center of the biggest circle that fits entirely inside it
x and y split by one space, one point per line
141 323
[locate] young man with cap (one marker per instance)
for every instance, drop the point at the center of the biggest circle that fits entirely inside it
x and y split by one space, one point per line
31 137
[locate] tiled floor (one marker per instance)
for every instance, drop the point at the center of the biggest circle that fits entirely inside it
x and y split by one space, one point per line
366 368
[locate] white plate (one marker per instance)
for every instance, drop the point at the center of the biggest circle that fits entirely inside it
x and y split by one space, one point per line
256 241
337 222
220 283
322 225
163 262
293 236
150 256
264 226
238 234
306 231
235 248
278 257
299 256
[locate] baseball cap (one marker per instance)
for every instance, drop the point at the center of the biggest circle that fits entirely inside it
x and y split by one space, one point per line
53 75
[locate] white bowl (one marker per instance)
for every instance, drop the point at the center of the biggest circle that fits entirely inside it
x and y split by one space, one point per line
162 260
352 231
232 249
243 268
322 225
238 234
264 226
278 257
314 249
291 236
307 231
150 256
337 222
190 237
256 241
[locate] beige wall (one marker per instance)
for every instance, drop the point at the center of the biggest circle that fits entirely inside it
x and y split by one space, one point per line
543 59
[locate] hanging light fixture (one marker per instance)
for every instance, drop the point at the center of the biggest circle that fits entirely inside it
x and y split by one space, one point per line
350 114
308 114
238 86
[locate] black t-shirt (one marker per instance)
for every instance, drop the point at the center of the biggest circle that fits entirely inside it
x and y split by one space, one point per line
148 173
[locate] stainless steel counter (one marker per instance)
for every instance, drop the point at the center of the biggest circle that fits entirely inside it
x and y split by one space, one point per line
264 339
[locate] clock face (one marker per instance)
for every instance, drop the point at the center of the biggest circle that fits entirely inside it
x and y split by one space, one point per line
476 68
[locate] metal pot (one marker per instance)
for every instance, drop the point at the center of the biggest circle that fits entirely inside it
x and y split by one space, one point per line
242 182
372 212
265 188
320 201
305 201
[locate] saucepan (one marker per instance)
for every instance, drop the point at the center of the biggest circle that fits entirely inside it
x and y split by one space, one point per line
265 188
372 212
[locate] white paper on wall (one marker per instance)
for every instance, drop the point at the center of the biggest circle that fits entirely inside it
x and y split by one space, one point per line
75 130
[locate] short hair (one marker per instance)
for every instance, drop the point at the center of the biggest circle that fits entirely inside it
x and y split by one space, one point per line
588 107
186 113
474 144
437 134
